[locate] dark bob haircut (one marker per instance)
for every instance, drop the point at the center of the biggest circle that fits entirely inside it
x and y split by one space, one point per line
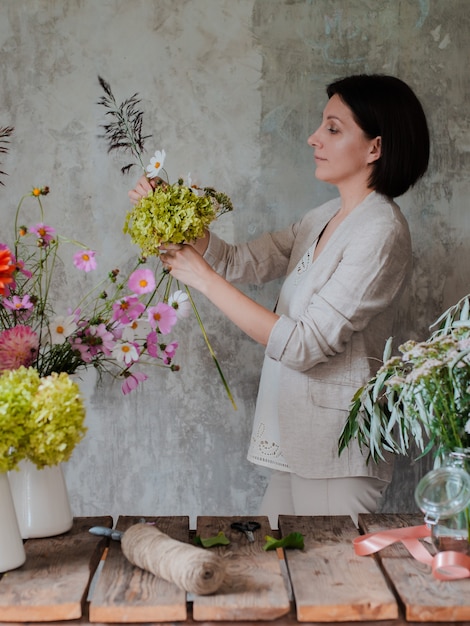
385 106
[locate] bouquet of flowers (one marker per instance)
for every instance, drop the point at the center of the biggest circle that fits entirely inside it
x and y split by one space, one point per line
121 322
42 418
174 213
421 396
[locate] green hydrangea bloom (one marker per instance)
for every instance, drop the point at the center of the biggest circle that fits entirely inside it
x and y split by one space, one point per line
41 419
17 390
170 214
57 415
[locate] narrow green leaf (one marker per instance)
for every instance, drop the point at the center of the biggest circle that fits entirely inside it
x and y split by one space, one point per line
464 314
387 350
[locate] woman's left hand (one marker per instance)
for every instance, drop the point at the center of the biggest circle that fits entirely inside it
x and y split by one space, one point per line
185 264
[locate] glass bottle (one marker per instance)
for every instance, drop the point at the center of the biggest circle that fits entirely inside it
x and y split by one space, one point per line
443 495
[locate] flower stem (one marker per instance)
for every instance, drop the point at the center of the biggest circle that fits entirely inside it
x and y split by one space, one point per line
206 339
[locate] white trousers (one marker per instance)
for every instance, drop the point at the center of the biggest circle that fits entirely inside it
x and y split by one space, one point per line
289 494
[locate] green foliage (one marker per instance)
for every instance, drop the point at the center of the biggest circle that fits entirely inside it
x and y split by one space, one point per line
124 131
421 397
5 133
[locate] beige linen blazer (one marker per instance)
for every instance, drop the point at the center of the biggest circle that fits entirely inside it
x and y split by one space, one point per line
334 340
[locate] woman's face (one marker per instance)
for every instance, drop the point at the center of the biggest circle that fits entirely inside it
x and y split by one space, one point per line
343 153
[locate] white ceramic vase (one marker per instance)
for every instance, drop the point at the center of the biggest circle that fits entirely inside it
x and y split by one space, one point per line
41 500
12 552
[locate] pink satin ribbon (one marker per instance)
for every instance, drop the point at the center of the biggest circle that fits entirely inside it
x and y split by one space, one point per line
447 565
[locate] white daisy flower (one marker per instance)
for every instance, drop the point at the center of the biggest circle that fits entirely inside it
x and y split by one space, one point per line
61 328
156 163
180 302
136 329
125 352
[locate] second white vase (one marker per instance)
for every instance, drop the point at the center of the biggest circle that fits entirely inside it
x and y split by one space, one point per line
41 500
12 554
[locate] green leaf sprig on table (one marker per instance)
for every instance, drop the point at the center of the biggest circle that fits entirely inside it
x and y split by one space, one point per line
218 540
293 540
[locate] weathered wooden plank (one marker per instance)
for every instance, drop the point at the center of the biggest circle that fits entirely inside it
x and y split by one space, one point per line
125 593
425 599
330 583
287 620
371 523
254 588
53 582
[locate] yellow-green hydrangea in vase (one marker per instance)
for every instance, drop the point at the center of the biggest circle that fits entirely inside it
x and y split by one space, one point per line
41 418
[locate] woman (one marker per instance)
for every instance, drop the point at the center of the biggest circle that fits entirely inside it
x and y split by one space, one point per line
346 263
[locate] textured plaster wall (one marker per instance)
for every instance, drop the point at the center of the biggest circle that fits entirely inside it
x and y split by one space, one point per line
231 90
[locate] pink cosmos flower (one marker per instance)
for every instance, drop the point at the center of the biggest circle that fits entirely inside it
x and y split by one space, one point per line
152 344
75 313
85 260
131 381
141 281
169 352
153 348
20 266
127 309
93 340
23 307
44 233
103 338
18 346
78 344
162 316
18 304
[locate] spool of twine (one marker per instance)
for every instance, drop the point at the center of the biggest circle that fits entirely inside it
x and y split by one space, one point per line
190 568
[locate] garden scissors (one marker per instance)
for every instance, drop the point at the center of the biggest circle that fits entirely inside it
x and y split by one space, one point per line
102 531
247 528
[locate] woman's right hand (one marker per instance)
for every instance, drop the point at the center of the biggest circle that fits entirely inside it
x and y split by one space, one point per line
141 189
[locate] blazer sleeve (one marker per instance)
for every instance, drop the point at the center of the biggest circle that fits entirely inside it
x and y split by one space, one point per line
364 277
256 262
270 256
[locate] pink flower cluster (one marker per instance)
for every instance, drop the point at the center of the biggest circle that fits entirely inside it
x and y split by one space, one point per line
18 346
121 331
133 330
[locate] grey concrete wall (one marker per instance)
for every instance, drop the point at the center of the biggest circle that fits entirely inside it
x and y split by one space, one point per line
231 90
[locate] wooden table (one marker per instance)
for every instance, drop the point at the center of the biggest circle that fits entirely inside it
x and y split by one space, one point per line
324 583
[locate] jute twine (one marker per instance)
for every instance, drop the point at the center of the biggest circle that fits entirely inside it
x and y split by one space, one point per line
190 568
